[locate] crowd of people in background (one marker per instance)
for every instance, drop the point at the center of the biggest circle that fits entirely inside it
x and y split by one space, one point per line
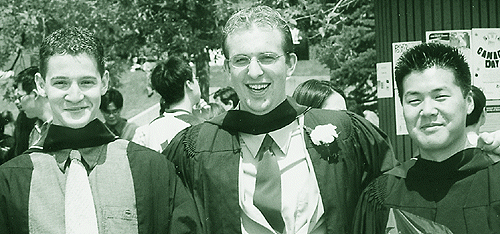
222 165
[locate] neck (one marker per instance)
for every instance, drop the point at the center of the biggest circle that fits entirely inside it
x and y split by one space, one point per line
184 104
440 154
46 111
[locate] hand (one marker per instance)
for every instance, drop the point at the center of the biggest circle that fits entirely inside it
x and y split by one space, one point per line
201 105
489 142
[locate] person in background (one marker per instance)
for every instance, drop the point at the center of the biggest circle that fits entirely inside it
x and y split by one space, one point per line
212 110
34 104
320 160
79 177
22 130
111 107
452 186
6 140
320 94
477 117
227 98
173 79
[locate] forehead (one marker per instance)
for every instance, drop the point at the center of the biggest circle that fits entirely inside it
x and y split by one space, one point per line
430 79
255 39
111 106
72 66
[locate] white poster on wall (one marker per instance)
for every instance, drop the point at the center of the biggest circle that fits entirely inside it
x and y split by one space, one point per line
485 68
460 39
397 50
384 80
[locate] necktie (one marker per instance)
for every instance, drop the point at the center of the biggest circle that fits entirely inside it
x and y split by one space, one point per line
80 215
267 196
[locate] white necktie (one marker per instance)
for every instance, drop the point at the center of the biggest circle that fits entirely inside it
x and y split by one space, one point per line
80 215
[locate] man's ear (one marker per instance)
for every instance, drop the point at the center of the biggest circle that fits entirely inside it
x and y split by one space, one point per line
189 84
40 85
227 69
470 102
105 82
291 63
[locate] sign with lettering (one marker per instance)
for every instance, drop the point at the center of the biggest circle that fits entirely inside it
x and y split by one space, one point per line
486 61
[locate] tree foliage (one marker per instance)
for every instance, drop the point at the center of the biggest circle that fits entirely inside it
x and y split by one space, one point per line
341 31
343 36
128 28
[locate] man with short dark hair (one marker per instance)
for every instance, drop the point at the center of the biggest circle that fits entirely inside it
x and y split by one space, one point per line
32 103
452 186
79 177
227 98
111 107
174 80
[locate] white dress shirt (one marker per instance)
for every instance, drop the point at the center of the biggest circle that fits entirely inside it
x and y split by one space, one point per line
302 207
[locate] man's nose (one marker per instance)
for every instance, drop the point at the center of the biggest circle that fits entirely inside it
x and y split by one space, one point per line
428 107
74 93
254 68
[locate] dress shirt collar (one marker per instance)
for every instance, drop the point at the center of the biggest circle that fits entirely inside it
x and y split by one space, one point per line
281 137
91 141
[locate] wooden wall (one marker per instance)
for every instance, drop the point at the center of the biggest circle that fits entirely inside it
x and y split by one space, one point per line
408 20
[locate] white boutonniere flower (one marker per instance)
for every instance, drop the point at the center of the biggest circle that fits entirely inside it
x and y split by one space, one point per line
323 137
324 134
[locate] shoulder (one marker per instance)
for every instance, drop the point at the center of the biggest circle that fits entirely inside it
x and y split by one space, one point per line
21 161
203 137
341 119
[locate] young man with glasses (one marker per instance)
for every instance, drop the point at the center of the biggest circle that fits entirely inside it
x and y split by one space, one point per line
322 158
273 166
32 103
111 107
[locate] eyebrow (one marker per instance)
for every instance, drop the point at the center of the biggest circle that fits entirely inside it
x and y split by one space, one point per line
436 90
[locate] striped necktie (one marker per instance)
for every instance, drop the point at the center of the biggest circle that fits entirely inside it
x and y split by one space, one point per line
267 195
80 215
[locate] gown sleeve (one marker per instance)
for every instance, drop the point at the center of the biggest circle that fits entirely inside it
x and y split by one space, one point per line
375 146
371 215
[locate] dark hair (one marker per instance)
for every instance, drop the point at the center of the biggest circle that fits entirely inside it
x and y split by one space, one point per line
22 130
428 55
227 94
263 17
314 92
72 41
6 117
111 96
27 78
168 79
479 104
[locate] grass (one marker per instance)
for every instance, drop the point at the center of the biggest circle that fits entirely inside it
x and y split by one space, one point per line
133 86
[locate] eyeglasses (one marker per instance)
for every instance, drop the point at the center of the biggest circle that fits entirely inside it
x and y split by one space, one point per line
242 61
112 112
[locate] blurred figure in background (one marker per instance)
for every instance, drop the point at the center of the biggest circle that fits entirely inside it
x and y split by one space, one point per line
22 129
111 107
320 94
213 109
477 117
173 79
6 140
34 104
227 98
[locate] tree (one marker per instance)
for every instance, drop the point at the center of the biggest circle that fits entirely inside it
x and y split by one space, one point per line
126 27
343 36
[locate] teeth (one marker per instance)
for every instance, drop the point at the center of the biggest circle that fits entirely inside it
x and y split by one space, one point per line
258 86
